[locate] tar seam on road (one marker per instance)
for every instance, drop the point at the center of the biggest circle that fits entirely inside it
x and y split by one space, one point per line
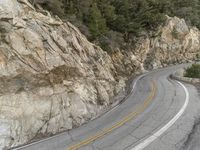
120 123
153 137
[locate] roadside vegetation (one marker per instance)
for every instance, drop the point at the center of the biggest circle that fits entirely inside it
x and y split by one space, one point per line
193 71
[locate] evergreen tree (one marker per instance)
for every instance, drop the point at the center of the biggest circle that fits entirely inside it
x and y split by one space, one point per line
128 18
96 22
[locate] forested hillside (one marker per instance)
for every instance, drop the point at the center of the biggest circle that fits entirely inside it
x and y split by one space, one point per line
111 23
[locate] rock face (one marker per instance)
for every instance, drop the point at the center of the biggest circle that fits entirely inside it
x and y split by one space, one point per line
52 79
173 43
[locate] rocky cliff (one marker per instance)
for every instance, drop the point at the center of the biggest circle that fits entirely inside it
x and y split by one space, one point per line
173 43
53 79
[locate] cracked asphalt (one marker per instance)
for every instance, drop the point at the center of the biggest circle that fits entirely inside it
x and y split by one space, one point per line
169 99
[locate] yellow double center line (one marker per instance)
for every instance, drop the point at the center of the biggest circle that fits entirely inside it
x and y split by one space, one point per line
129 117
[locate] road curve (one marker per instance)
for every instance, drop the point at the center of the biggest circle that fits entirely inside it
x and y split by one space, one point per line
159 114
156 135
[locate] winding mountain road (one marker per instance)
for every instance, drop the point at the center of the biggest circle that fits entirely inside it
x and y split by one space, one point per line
159 114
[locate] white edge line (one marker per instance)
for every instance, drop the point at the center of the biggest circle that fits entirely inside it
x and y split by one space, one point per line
153 137
133 87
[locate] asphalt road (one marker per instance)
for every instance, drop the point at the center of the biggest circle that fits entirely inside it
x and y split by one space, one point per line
160 114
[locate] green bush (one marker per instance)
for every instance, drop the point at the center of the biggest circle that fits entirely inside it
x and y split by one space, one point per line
193 71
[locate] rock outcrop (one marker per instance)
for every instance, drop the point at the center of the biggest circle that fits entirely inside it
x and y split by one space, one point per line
53 79
173 43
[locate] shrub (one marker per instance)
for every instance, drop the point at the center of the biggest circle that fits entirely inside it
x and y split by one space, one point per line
193 71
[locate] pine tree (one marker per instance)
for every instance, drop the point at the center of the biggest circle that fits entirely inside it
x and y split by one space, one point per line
96 22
